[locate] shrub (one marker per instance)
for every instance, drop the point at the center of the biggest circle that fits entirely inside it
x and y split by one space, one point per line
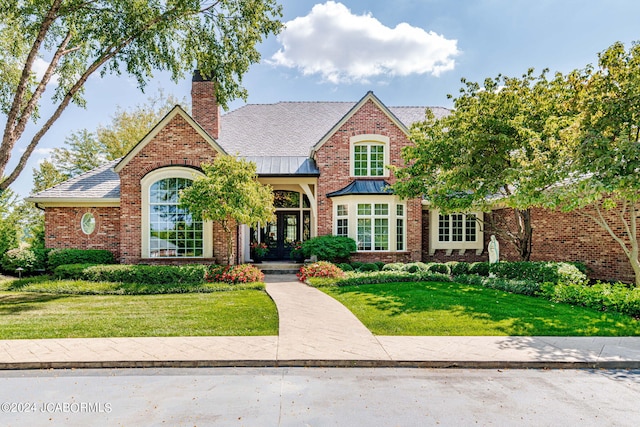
233 274
380 264
59 257
356 265
414 267
479 268
370 266
330 248
320 269
523 287
377 277
458 267
439 268
19 258
345 266
123 273
394 266
601 296
541 272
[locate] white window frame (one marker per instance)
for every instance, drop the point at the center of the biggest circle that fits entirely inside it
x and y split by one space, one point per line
450 246
352 202
369 140
145 183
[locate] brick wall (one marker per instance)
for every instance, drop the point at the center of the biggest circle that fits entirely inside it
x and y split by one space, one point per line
333 161
177 144
62 229
557 236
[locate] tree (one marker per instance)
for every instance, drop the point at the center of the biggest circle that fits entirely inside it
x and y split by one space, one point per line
85 150
9 221
229 194
80 38
605 156
500 146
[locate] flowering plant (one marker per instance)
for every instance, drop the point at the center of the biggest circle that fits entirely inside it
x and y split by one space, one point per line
296 250
259 249
320 269
243 273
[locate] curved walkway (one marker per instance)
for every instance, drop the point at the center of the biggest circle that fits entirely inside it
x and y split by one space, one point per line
314 326
316 330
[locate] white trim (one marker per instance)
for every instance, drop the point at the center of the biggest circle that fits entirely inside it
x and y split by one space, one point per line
145 184
352 202
368 97
59 202
369 139
435 243
177 110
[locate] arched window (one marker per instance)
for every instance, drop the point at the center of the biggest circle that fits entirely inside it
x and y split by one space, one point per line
170 231
369 155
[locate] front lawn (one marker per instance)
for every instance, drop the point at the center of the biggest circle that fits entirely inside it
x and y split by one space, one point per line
429 308
46 315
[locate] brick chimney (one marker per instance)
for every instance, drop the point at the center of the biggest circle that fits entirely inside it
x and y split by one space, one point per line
204 106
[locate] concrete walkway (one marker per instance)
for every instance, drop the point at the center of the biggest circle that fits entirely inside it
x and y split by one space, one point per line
316 330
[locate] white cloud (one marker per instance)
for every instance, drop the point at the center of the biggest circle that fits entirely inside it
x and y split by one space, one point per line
343 47
40 67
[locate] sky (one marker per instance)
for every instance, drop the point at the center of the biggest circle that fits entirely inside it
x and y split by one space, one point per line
408 52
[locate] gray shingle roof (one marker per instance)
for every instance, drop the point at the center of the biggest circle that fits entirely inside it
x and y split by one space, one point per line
99 183
277 137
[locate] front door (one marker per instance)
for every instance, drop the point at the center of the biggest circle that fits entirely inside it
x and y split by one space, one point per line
280 235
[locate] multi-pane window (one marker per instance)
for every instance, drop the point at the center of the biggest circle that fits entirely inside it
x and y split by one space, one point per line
400 227
368 160
342 220
173 232
457 228
373 226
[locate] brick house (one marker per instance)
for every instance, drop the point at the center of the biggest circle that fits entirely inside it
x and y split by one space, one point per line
326 163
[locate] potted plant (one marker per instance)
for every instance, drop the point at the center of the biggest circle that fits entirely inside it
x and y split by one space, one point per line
259 251
296 252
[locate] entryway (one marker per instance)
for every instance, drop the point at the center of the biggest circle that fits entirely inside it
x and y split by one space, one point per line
280 235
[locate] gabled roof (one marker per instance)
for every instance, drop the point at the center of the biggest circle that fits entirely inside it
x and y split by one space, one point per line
100 185
362 186
368 97
177 110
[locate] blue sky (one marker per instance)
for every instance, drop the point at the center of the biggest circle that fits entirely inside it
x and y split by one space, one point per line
408 52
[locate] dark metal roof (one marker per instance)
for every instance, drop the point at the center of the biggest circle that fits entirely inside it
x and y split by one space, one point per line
284 165
363 187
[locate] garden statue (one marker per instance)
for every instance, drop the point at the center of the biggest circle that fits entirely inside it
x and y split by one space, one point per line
494 250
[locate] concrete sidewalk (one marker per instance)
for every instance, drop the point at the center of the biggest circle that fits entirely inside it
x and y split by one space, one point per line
316 330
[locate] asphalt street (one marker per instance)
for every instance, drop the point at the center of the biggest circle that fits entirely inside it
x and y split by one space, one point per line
319 397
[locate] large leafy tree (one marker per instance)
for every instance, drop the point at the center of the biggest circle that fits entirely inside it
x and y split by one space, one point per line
605 156
501 146
78 38
9 221
229 194
85 149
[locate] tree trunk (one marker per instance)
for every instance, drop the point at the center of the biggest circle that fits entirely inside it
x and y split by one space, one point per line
229 234
519 236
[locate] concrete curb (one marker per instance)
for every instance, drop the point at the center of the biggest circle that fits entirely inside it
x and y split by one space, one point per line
435 364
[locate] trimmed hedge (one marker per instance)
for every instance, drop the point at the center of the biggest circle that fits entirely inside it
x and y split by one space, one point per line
357 279
541 272
58 257
148 274
617 297
523 287
458 267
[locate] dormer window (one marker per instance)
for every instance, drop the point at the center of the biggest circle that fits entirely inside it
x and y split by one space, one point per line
369 156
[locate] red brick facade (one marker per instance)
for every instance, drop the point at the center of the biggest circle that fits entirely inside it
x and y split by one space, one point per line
333 160
63 228
177 144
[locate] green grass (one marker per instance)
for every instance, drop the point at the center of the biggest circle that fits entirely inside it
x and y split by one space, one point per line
438 309
43 315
